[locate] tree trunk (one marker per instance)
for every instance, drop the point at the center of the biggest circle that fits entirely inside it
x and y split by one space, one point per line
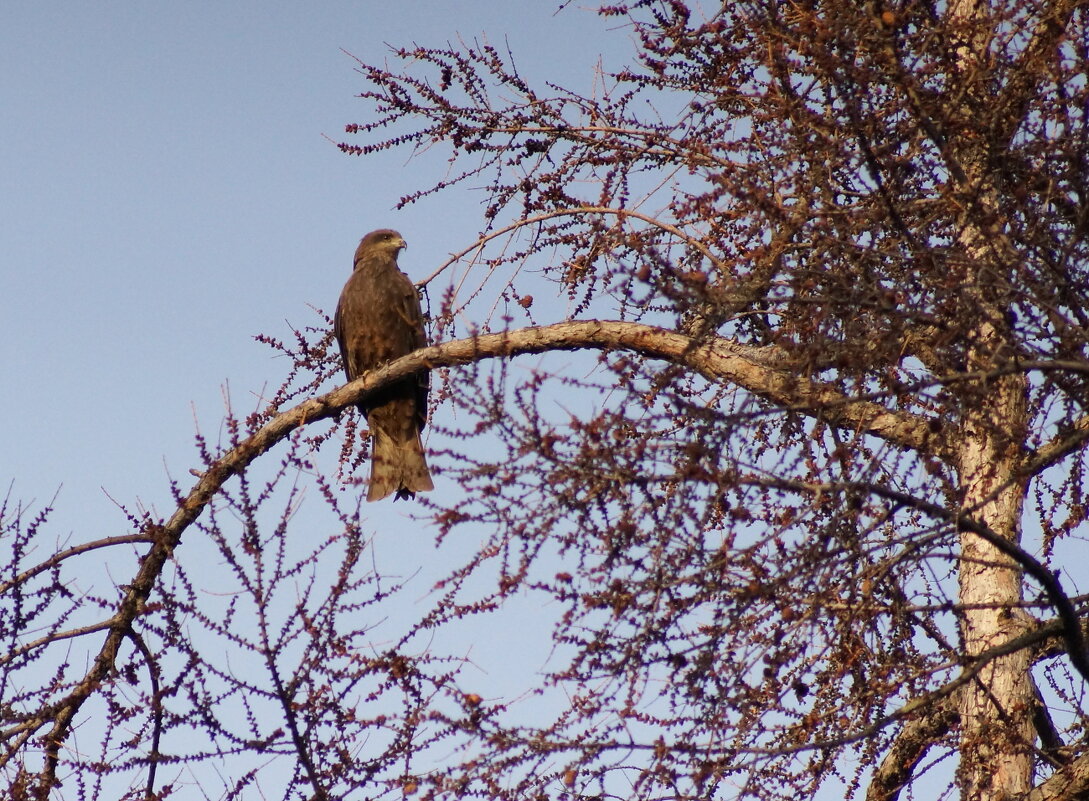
996 720
996 734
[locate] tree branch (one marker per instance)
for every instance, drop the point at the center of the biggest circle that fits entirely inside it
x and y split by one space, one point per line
76 550
619 213
1068 618
910 746
717 359
1069 783
1059 447
1028 72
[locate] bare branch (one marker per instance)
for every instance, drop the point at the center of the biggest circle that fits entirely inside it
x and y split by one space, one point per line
1058 448
1068 783
911 745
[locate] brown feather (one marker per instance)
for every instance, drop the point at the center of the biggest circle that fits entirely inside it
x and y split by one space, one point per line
378 319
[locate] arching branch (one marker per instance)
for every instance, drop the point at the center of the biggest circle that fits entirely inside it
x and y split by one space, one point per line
1068 616
909 747
751 368
1066 784
579 211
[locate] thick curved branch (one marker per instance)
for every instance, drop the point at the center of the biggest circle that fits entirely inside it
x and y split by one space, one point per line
1069 783
910 746
919 734
1054 451
1068 617
717 359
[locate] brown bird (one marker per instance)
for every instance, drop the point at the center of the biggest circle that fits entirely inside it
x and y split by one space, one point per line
378 320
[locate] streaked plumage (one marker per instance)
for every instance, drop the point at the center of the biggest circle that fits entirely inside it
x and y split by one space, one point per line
378 319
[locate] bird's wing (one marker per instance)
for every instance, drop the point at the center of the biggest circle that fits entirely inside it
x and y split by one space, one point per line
338 333
415 338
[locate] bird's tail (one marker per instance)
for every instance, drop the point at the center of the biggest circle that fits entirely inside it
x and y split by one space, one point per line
397 465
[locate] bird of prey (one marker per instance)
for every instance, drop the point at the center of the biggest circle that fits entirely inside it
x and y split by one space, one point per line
378 319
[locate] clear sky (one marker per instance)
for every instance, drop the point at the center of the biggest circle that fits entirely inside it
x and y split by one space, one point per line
169 190
168 193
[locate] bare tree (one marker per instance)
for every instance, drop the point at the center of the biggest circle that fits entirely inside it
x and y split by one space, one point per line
800 511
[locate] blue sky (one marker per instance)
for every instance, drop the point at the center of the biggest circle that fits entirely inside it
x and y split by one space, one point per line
169 193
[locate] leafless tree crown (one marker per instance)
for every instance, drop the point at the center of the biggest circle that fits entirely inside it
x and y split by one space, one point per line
762 384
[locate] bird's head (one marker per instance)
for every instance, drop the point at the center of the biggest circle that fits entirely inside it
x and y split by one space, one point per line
383 240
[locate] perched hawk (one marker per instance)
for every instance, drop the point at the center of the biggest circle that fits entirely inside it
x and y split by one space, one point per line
378 319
